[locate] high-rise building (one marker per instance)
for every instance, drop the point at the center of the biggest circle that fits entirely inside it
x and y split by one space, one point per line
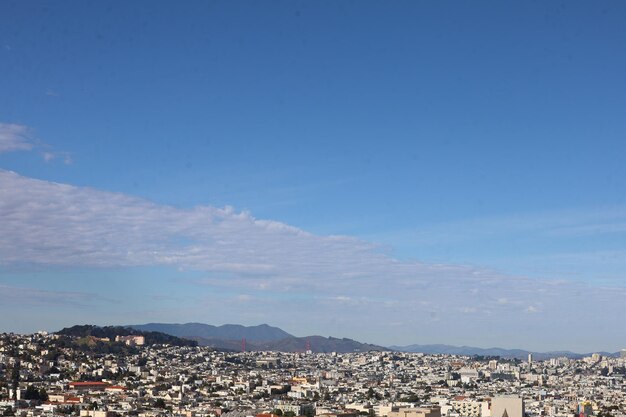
622 354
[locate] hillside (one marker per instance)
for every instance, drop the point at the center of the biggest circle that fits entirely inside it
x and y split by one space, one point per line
320 344
261 337
151 337
226 332
317 344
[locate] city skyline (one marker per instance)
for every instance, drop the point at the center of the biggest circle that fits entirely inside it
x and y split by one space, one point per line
396 174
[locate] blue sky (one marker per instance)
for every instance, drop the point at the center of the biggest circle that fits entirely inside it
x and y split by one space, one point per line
406 172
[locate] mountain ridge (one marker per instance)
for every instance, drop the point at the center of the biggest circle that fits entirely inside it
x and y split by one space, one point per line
266 337
260 337
262 332
493 351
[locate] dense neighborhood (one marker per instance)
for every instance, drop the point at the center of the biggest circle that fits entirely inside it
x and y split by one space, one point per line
49 374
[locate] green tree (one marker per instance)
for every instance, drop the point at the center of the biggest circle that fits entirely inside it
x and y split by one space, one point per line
35 394
15 379
411 398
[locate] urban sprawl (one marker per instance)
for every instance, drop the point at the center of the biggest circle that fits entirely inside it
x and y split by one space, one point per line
40 376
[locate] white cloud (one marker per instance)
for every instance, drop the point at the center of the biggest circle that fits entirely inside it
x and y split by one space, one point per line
532 309
14 137
58 224
50 156
51 224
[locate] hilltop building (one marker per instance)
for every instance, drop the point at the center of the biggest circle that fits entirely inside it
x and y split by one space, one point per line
131 340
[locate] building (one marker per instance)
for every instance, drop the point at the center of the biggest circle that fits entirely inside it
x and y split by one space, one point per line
96 413
507 406
88 386
469 408
468 375
416 412
131 340
585 409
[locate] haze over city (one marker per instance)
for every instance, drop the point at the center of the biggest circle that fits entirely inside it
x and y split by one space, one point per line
395 173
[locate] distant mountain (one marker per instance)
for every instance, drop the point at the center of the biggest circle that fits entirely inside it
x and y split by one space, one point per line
503 353
320 344
317 344
231 332
262 337
151 337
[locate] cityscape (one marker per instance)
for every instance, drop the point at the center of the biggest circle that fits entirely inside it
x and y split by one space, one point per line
54 374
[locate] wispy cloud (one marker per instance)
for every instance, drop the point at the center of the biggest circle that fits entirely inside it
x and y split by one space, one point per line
33 296
586 243
568 223
58 224
16 137
64 156
47 223
531 309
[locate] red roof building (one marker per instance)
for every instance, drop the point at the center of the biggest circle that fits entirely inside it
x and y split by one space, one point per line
88 386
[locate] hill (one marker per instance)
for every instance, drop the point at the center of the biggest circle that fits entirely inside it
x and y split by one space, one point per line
225 332
320 344
151 337
317 344
261 337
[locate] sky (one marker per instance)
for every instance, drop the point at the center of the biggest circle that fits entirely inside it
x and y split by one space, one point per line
393 172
